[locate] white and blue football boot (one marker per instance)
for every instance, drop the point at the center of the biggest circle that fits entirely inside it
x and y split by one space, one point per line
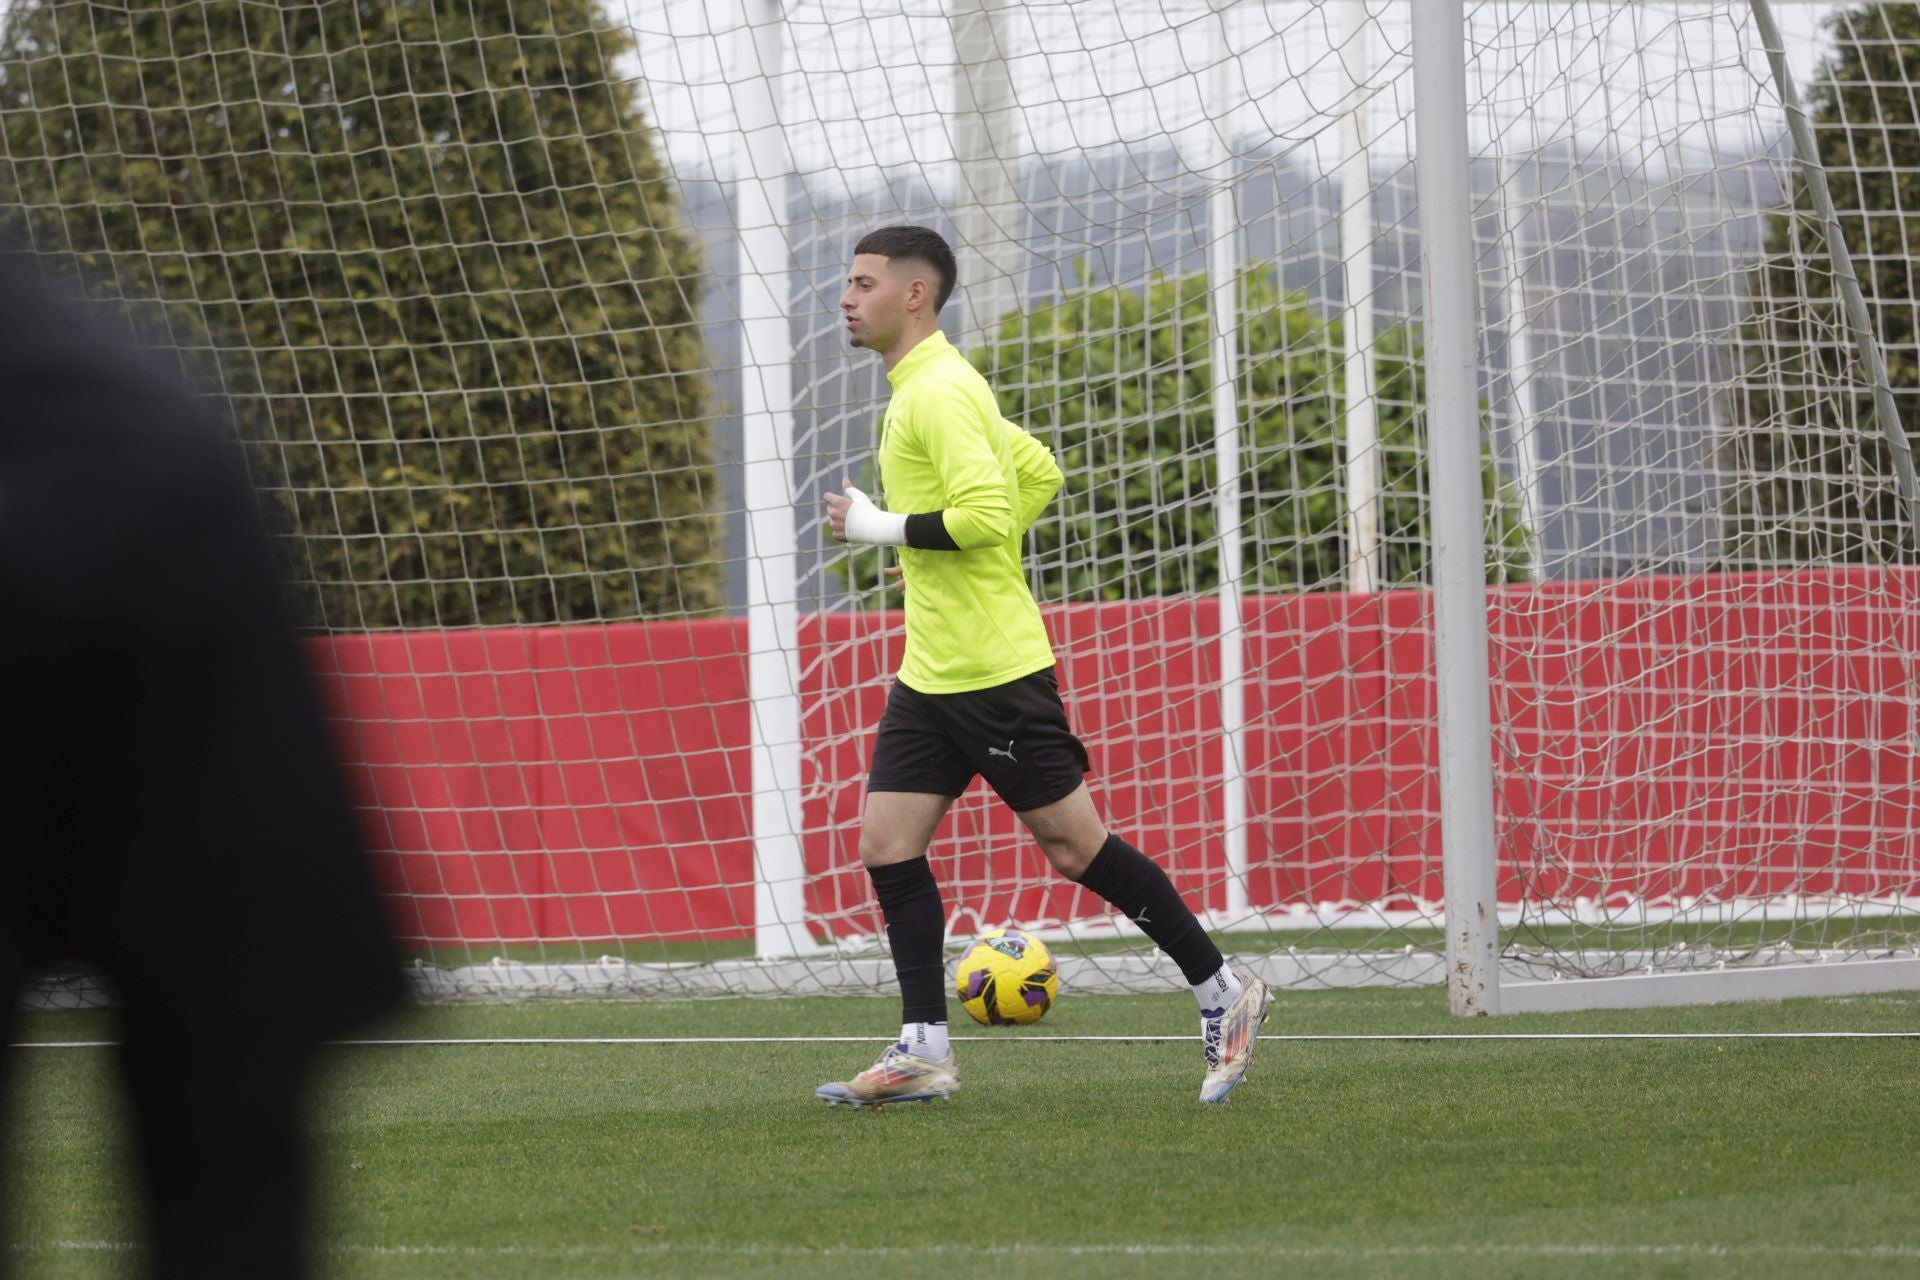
1229 1039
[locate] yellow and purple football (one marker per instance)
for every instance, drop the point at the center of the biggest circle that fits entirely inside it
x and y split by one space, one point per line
1007 977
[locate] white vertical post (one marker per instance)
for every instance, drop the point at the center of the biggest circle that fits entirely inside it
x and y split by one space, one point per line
988 219
1356 257
1459 542
1522 393
766 409
1223 275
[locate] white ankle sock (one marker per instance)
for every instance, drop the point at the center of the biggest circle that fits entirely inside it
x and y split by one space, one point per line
925 1040
1217 993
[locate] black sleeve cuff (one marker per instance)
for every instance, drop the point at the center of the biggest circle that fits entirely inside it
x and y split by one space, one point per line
928 532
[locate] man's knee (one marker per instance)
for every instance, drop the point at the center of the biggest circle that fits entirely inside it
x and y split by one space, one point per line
1069 832
1070 856
899 826
884 848
1070 845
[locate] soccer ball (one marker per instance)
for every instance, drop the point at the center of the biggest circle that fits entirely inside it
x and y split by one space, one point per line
1007 976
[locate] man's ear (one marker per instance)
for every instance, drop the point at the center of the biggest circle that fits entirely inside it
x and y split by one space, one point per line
917 294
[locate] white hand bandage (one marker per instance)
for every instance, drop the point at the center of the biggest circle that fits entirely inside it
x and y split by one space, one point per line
868 523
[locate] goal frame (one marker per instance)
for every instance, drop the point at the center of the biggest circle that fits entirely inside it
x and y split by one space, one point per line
1475 982
1265 748
1469 850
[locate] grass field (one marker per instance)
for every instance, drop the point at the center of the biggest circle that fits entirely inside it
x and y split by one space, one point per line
1485 1157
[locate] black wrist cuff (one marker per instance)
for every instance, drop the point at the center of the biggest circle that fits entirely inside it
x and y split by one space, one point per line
928 532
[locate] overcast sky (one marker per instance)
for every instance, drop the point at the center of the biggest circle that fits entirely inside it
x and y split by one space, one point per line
869 84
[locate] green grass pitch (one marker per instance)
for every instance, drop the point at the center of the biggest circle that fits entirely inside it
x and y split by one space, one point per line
1629 1158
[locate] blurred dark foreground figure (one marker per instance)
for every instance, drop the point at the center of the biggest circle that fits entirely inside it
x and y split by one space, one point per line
173 811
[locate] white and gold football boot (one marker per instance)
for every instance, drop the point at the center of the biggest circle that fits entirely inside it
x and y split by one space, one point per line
898 1076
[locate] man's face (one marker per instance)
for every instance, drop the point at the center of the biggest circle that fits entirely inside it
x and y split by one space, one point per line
875 300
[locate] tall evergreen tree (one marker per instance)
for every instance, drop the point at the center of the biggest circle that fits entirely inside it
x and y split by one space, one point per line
1815 472
427 252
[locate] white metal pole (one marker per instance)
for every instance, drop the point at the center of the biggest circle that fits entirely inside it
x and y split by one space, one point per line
989 216
1223 275
1356 256
1522 387
766 407
1459 544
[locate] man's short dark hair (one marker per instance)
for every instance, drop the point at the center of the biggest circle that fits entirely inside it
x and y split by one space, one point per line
921 243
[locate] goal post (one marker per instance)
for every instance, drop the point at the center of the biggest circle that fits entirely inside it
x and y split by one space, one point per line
1823 524
756 50
1485 558
1458 558
1464 709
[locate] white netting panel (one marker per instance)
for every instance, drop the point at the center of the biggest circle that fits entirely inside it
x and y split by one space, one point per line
503 301
1702 714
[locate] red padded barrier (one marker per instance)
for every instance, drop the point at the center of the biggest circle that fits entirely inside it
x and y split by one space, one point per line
1709 735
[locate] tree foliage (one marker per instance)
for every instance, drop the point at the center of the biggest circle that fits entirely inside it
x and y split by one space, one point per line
1119 384
427 253
1814 471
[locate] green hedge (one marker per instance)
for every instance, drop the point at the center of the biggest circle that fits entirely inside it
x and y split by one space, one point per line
1119 384
434 268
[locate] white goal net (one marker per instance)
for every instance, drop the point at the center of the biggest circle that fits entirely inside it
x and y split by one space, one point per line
527 314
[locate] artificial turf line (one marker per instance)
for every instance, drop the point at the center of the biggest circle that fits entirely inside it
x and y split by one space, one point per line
1295 1253
1266 1038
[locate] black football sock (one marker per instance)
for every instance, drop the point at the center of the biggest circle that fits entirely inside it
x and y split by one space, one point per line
916 924
1133 882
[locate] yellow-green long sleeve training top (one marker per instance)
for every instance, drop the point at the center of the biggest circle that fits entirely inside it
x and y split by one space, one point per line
971 621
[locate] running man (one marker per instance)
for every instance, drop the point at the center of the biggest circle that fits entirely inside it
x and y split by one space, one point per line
976 692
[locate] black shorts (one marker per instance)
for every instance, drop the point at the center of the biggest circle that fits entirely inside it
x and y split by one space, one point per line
1015 735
